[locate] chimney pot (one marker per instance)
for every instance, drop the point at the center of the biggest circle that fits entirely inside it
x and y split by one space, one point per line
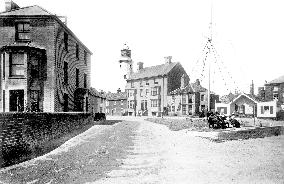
140 65
168 59
118 90
10 5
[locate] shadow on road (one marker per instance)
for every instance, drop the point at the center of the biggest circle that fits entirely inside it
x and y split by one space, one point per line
109 122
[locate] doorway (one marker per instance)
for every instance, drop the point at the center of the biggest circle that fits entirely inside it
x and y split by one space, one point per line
16 100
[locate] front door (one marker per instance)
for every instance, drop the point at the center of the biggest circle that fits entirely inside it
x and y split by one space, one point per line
16 100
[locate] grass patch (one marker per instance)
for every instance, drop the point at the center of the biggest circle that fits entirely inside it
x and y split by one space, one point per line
180 124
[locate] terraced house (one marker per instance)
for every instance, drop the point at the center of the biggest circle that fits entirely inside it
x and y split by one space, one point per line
44 66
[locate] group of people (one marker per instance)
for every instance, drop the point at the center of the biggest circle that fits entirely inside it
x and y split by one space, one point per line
215 120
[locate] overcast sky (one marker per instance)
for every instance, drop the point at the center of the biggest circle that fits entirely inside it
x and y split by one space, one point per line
247 34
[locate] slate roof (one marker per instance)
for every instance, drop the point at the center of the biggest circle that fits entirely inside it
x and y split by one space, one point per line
232 97
190 88
187 89
117 96
278 80
38 11
153 71
228 98
27 11
95 93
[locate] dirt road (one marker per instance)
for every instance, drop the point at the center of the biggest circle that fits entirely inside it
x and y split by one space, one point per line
137 151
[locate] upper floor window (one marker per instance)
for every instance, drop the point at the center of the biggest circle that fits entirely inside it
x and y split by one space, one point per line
85 80
147 92
16 68
23 31
183 99
85 56
154 91
77 51
147 83
155 81
275 88
275 96
189 99
77 77
65 41
202 97
65 71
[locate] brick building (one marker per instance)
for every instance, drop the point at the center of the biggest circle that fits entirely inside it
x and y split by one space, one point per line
44 66
190 99
274 90
116 103
148 88
97 101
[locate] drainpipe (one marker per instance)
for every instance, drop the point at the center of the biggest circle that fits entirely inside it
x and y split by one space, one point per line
162 99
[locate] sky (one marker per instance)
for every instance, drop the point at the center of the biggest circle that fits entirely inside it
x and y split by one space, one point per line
247 35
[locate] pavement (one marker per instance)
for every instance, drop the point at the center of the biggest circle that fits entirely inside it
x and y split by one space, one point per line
137 151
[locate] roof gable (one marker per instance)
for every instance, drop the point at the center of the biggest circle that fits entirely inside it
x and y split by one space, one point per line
277 80
153 71
117 96
245 95
26 11
39 11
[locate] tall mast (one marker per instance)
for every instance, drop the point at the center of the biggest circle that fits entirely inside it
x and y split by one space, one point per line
210 46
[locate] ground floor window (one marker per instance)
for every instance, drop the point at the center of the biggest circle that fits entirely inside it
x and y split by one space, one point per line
34 99
183 109
16 100
65 98
190 109
155 103
266 109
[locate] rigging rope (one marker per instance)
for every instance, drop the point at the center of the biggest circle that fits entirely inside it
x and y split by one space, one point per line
215 51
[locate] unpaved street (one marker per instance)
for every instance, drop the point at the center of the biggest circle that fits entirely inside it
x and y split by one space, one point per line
137 151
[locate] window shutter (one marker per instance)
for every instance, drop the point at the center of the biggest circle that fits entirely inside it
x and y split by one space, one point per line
262 110
271 109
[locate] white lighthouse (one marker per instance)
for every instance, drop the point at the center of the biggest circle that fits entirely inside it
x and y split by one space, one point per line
125 62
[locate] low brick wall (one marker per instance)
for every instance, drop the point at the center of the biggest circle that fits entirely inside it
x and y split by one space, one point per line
23 133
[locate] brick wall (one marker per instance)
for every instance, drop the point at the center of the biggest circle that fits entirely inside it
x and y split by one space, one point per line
25 132
69 55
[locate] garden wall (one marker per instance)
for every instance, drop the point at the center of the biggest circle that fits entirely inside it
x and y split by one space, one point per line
23 133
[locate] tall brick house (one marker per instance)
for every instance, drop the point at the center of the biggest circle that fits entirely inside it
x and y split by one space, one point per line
44 66
148 88
116 103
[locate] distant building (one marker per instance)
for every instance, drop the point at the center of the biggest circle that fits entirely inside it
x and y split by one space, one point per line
44 66
148 88
247 105
116 103
97 101
274 90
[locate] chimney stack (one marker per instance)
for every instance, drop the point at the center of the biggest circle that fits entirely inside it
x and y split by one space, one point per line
118 90
168 59
182 81
197 82
252 88
10 5
140 65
